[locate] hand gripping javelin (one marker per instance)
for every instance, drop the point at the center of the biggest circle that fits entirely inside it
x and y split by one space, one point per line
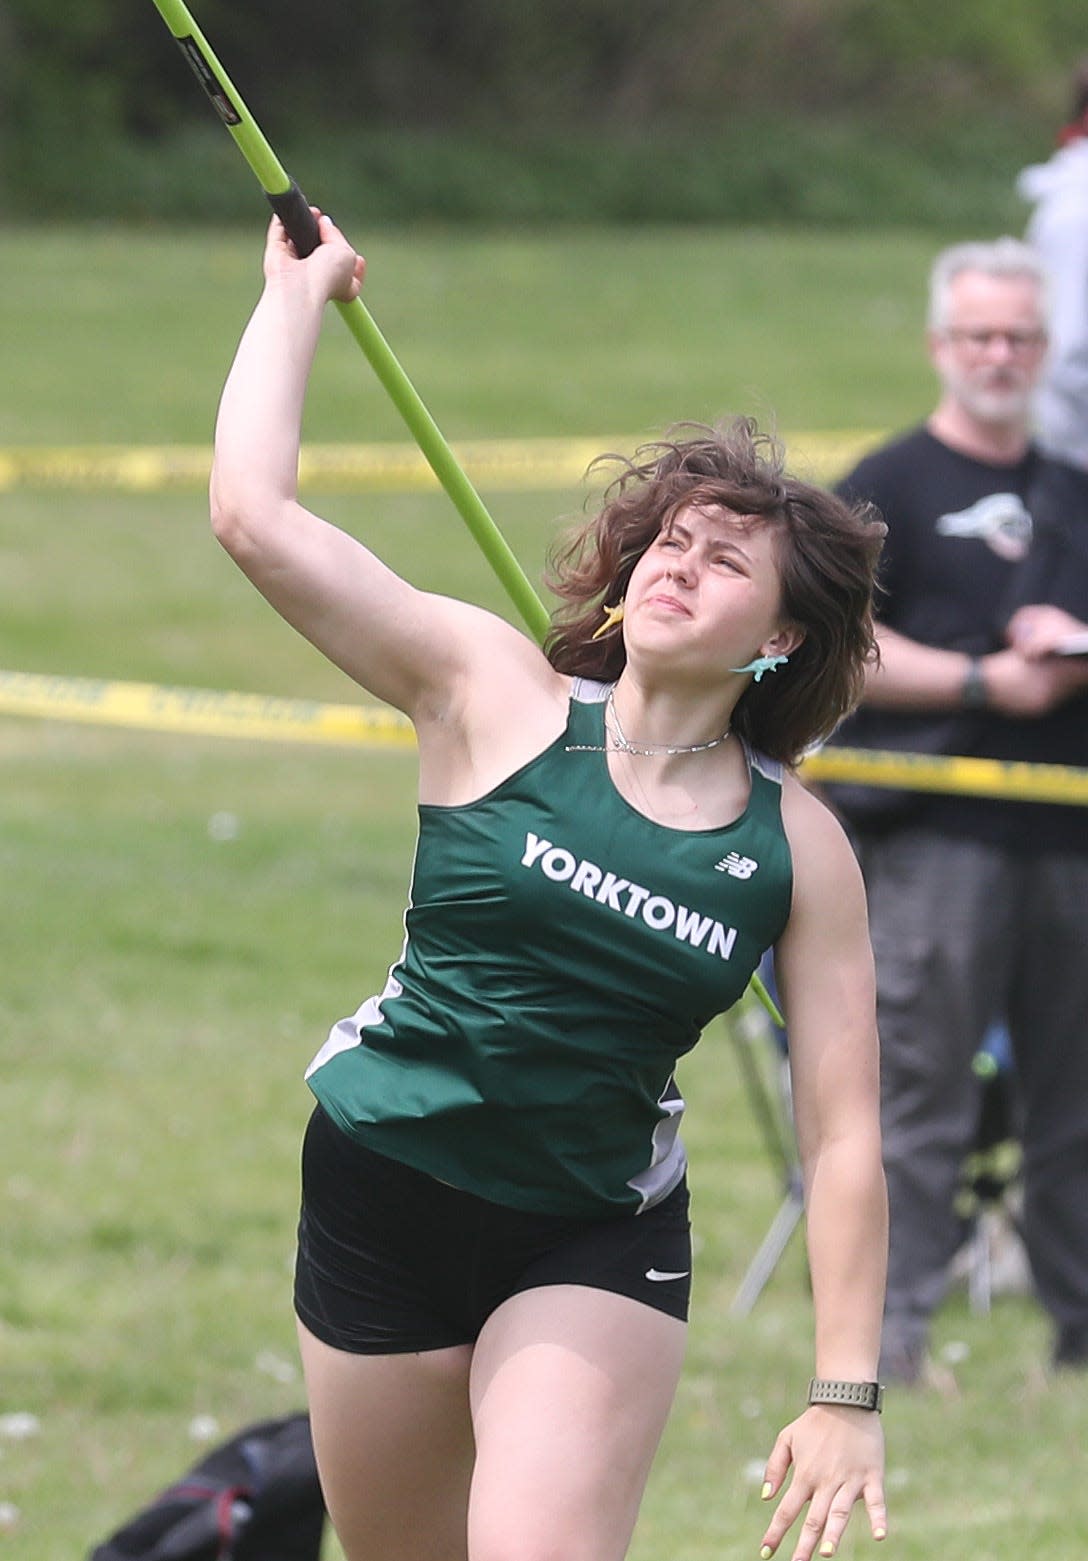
293 210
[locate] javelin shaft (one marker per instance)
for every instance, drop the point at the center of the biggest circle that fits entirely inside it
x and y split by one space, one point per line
289 203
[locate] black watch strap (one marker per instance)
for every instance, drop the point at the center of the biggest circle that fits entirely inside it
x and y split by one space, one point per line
973 692
858 1395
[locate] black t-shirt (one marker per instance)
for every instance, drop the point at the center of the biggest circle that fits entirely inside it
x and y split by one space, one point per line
968 543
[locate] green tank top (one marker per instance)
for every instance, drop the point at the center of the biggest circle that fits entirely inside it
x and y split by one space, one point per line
562 951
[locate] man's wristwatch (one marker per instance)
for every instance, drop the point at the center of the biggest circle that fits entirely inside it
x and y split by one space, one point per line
973 690
858 1395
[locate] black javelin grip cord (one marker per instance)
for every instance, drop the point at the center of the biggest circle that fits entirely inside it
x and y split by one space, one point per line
293 210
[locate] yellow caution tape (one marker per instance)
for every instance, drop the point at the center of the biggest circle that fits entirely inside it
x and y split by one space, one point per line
200 711
133 469
265 716
507 465
964 776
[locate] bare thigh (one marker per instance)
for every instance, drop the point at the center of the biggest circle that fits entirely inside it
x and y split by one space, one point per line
394 1445
570 1390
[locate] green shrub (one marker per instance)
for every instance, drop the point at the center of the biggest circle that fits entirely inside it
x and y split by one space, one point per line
756 170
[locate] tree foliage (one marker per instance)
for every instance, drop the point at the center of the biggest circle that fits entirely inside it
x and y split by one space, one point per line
77 78
417 62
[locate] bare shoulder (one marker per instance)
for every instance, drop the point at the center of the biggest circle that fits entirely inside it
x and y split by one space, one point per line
824 955
499 704
482 657
808 819
823 858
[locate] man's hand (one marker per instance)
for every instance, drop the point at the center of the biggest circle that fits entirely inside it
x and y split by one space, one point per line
1016 686
1040 630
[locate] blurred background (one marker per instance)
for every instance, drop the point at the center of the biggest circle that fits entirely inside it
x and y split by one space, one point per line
584 219
829 111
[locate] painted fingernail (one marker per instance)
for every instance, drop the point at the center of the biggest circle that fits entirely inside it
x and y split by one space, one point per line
827 1548
880 1533
766 1553
767 1491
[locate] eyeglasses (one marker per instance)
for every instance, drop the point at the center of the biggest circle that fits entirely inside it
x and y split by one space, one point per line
1020 343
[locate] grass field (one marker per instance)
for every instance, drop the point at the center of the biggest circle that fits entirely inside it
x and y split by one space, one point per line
180 919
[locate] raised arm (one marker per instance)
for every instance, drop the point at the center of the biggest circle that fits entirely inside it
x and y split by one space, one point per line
823 965
406 646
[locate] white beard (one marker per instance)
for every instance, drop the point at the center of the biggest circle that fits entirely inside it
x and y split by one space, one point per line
1006 405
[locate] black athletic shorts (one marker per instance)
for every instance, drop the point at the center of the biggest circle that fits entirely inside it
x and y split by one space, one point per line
392 1261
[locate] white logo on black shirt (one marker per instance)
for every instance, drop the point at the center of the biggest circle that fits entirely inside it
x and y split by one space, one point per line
1001 520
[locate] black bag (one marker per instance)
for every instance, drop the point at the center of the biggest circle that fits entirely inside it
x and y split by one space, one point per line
255 1497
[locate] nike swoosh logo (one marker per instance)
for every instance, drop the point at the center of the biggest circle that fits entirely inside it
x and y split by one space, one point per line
657 1276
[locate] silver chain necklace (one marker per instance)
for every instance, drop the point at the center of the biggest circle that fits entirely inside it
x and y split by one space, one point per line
648 751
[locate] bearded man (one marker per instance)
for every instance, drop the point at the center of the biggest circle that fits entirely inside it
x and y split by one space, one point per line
979 906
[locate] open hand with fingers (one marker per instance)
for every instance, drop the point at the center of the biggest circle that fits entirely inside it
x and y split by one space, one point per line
837 1456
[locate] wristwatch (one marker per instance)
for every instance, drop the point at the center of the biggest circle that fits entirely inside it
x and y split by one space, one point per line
858 1395
973 690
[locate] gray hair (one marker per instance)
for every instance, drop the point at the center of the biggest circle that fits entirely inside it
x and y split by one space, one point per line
1003 257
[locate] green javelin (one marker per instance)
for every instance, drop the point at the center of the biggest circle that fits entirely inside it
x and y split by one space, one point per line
288 201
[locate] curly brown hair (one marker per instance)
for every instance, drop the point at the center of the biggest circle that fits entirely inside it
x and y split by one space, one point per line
827 553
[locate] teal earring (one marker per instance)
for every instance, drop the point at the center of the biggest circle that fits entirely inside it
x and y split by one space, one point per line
762 664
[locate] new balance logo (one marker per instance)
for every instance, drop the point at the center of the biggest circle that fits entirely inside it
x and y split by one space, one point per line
736 866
